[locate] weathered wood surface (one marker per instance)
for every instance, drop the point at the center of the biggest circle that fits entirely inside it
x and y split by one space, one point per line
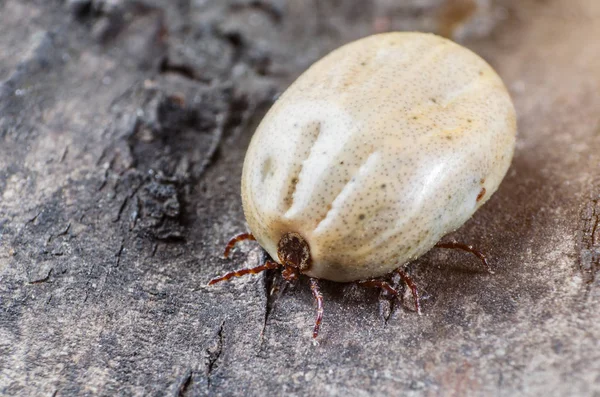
123 126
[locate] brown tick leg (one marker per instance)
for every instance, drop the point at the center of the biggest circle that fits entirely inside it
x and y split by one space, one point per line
290 274
238 273
384 286
235 240
314 286
468 248
413 287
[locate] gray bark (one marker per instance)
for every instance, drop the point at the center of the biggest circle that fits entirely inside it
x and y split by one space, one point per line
123 127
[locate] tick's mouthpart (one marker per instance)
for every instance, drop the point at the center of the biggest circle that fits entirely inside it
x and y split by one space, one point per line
293 250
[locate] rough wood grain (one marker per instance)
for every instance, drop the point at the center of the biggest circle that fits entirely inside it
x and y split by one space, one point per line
123 126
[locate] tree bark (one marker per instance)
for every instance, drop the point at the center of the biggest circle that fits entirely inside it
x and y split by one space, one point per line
123 128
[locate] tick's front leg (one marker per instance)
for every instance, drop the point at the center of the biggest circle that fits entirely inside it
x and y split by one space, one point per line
238 273
235 240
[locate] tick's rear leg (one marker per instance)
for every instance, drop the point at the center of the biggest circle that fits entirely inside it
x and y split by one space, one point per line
387 295
413 288
385 287
235 240
391 292
314 286
468 248
269 264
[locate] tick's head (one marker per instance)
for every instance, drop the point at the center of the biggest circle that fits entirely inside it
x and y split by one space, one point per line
294 251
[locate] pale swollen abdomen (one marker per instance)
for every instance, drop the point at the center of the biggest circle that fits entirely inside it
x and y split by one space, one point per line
377 151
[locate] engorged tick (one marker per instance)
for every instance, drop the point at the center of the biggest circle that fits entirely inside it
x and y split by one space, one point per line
323 213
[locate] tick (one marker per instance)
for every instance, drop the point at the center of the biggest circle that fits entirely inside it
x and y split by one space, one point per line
372 155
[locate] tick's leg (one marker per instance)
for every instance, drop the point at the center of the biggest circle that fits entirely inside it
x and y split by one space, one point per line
238 273
468 248
386 295
235 240
382 285
314 286
290 274
413 287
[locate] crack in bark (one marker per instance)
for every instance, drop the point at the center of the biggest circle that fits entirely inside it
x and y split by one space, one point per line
119 253
270 298
102 154
65 231
104 180
214 355
121 209
64 155
154 249
35 217
43 280
185 384
59 234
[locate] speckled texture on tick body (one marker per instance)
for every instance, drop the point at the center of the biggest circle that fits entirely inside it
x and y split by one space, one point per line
377 151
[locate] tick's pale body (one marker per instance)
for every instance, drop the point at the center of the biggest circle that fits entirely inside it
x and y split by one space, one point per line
377 151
